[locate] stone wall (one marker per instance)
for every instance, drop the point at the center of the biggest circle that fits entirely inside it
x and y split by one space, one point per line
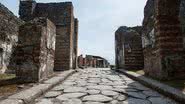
34 55
129 54
75 44
61 14
163 34
9 25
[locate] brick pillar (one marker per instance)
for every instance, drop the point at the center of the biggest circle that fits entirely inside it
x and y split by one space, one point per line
169 40
26 10
35 51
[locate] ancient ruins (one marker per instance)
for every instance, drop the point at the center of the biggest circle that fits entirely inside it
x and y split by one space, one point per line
129 45
92 61
162 37
41 49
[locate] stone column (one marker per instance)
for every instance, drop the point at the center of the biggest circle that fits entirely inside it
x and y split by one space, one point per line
169 40
35 51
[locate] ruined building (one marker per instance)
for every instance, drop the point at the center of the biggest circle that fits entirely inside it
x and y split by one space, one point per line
9 27
61 14
128 44
92 61
45 37
163 38
36 50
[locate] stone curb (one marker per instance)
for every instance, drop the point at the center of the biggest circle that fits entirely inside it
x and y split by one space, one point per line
29 95
166 90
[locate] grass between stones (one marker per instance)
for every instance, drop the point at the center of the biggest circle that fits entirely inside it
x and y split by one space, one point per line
6 87
7 76
179 84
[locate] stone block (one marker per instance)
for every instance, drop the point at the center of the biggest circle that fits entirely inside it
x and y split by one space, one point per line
36 49
61 14
129 53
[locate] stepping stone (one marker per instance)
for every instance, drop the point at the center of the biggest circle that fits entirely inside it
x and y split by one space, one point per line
137 101
93 92
74 89
109 93
72 101
70 96
52 94
97 98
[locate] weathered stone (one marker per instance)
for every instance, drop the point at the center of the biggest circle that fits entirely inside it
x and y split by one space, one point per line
151 93
35 52
72 101
93 92
160 100
114 102
52 94
61 14
135 101
137 95
97 98
93 103
8 38
121 98
109 93
11 101
100 87
45 101
71 95
129 54
75 89
60 88
164 53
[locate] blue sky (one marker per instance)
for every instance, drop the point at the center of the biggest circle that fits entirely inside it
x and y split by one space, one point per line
98 21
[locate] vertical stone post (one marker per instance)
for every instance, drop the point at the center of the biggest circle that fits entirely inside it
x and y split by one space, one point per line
75 46
169 40
35 51
26 9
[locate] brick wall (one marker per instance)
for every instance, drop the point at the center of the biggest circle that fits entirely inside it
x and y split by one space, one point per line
61 14
35 52
9 26
129 54
163 39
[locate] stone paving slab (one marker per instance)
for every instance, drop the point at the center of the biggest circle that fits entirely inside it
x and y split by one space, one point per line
102 86
164 89
27 96
11 101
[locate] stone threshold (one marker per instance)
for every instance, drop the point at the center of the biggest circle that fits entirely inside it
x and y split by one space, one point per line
164 89
29 95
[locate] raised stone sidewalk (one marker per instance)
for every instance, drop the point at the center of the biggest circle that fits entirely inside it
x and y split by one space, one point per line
29 95
160 87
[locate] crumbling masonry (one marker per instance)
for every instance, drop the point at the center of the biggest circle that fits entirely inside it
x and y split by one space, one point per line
45 38
163 39
61 14
129 53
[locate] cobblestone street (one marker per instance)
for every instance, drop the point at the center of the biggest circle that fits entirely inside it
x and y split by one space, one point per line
101 86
